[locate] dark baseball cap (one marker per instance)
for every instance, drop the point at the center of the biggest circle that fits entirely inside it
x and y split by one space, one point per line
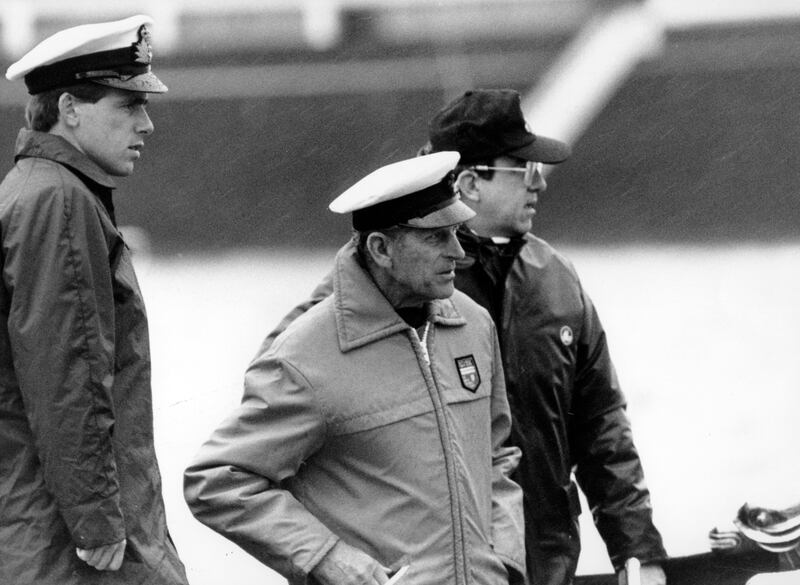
483 124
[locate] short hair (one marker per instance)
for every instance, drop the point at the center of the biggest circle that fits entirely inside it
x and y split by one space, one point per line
360 238
41 113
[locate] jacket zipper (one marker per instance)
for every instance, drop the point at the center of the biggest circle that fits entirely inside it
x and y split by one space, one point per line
459 554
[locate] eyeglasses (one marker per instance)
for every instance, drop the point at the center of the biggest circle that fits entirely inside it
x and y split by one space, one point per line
531 169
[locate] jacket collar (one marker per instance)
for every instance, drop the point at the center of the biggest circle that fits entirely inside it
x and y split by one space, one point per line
31 143
363 315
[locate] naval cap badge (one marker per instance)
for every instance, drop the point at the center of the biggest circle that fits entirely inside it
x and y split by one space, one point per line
144 52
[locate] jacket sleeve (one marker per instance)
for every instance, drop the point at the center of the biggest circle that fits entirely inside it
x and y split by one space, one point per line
61 328
236 483
608 469
508 521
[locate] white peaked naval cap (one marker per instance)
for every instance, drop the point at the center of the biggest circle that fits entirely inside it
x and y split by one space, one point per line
413 192
117 54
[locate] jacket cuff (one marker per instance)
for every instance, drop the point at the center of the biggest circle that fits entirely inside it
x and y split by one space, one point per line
95 523
303 574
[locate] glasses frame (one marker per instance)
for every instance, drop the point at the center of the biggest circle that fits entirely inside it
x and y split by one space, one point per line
530 170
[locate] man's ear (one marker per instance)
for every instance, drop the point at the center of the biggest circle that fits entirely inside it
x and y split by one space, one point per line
466 185
68 110
379 247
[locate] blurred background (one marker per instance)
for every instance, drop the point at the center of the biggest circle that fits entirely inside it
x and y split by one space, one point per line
679 206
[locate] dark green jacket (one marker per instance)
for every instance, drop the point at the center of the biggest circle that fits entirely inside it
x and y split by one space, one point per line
77 463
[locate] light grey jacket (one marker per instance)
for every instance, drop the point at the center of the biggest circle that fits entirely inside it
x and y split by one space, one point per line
345 432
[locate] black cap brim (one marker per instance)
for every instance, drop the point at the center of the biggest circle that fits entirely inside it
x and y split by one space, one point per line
543 149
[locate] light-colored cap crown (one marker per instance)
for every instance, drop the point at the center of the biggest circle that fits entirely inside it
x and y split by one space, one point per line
396 180
411 192
116 53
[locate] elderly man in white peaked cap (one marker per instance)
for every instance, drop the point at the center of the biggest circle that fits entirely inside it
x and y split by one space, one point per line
80 490
370 438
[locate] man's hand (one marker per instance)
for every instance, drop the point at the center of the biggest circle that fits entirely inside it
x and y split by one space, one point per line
346 565
103 558
651 574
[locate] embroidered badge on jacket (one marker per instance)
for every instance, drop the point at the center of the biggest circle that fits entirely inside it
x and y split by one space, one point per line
468 372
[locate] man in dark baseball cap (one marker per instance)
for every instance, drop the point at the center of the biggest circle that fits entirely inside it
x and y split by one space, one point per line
83 503
568 408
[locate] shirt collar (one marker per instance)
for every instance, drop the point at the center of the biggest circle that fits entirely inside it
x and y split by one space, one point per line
473 243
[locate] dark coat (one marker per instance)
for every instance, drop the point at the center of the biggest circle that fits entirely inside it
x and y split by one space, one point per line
568 409
78 466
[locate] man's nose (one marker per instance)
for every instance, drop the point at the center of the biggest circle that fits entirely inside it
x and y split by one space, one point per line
145 125
454 249
539 184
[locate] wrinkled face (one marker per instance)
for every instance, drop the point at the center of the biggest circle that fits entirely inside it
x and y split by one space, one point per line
507 206
423 265
111 131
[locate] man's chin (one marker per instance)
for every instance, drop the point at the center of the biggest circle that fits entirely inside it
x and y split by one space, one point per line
445 292
524 227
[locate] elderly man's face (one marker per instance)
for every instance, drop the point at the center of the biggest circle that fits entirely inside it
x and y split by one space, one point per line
423 265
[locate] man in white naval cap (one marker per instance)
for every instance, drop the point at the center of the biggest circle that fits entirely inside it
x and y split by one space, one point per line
371 434
80 490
